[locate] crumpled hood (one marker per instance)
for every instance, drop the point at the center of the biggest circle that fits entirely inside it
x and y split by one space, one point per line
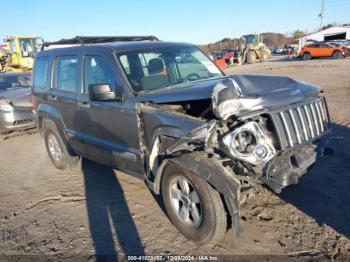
18 97
244 92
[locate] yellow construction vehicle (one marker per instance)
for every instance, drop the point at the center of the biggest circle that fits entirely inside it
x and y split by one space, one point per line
253 49
20 53
3 58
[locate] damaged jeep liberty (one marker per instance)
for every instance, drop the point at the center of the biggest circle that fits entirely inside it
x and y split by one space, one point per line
164 112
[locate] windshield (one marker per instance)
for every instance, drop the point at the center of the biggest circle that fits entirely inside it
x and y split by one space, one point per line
11 82
251 39
165 66
28 46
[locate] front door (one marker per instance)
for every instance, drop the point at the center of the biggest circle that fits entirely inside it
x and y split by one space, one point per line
108 128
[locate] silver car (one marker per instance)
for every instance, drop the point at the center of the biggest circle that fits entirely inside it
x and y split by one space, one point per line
16 109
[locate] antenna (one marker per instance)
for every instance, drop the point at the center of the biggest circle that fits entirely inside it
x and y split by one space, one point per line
321 15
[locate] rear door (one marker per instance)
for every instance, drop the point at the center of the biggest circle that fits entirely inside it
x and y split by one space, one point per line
62 96
108 128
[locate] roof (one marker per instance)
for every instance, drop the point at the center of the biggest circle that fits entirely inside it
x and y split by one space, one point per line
100 39
121 46
324 29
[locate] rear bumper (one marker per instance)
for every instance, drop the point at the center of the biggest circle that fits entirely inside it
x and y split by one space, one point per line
15 121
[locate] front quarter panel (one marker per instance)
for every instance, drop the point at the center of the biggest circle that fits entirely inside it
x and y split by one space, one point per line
157 121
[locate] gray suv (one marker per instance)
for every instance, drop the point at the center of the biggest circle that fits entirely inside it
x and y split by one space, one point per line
16 109
165 113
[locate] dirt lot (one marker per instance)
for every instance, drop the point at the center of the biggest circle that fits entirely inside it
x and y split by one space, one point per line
95 210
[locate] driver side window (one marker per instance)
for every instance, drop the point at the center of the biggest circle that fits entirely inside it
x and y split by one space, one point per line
97 71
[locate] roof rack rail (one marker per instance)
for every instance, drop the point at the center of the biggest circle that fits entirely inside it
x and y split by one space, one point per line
82 40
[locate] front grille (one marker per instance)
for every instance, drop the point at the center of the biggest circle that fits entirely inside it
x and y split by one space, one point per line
23 122
21 109
301 123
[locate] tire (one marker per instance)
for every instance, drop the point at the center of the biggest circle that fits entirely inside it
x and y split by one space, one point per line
212 222
307 56
337 54
251 57
62 159
2 135
263 54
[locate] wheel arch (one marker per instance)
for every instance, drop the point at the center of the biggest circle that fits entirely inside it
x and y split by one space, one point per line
46 112
213 172
336 51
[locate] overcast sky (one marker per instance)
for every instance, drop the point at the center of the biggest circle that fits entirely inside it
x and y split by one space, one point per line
195 21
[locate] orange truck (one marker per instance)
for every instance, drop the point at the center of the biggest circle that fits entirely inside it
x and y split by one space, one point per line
322 50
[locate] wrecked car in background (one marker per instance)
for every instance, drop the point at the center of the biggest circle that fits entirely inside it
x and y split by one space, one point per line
165 113
15 103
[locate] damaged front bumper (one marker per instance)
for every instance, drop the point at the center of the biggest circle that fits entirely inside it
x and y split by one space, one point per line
288 167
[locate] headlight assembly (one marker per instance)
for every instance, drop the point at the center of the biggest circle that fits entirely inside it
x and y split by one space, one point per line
5 106
250 143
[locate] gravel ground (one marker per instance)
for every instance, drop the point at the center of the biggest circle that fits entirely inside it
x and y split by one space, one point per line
93 209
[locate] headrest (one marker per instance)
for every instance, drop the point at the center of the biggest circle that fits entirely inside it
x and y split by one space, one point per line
155 66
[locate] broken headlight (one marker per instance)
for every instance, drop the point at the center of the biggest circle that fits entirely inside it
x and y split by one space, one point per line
250 143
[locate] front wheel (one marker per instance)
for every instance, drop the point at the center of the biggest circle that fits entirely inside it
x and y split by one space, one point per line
251 57
193 206
2 135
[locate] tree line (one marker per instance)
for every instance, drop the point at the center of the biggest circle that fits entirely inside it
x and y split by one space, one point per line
268 38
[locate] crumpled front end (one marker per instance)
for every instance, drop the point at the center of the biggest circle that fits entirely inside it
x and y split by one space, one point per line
240 137
259 139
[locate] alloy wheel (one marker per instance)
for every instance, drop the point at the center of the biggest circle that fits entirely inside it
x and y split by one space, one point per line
186 201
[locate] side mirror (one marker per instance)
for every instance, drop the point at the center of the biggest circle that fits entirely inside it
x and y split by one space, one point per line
103 92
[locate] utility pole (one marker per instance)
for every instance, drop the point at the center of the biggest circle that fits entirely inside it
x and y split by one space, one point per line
321 15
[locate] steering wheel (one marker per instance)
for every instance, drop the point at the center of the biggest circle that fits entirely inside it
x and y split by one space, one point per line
191 76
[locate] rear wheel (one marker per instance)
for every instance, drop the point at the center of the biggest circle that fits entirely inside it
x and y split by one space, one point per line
307 56
263 54
193 206
57 150
336 54
251 57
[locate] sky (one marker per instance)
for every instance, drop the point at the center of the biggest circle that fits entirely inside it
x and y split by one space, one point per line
194 21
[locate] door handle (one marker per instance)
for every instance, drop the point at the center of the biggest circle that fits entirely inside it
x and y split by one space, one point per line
52 97
84 104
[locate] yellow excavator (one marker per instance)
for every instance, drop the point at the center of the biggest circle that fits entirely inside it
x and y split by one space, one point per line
20 53
253 49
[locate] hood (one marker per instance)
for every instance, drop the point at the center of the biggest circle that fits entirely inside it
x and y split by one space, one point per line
182 92
245 92
18 97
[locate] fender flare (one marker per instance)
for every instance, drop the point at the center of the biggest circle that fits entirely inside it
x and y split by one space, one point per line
46 112
219 177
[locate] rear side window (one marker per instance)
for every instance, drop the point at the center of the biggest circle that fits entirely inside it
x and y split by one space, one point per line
66 73
41 76
97 71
